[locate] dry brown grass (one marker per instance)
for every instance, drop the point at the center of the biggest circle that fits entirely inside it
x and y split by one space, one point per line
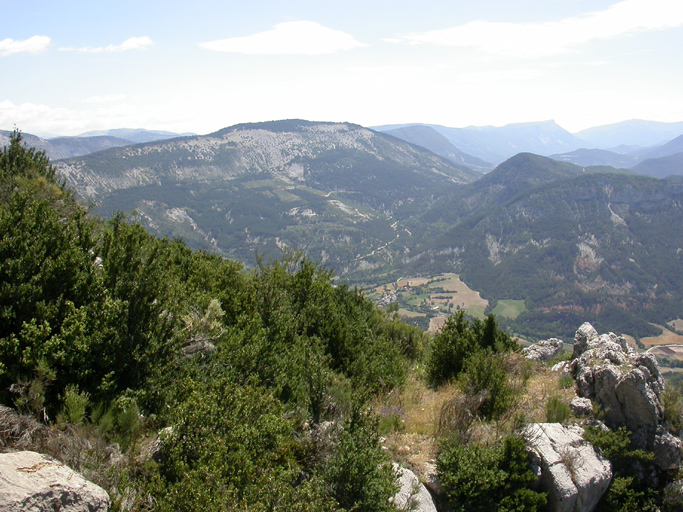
666 338
415 445
543 384
412 281
435 324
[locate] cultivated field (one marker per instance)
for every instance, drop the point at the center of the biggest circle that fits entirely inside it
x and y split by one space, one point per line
437 297
434 297
666 338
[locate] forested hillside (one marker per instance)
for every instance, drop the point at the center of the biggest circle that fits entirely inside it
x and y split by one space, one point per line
176 380
102 324
575 244
337 190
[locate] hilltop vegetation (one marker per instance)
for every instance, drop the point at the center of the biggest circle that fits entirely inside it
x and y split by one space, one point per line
116 332
179 381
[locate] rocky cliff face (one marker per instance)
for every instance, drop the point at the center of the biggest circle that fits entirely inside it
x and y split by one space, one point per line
295 152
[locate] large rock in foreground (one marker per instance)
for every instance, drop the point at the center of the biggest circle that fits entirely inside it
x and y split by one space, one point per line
625 384
412 495
31 482
627 387
572 472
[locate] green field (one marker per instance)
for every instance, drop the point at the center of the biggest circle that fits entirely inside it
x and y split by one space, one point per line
477 312
440 296
509 308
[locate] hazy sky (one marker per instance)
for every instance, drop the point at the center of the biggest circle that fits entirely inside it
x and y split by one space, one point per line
69 66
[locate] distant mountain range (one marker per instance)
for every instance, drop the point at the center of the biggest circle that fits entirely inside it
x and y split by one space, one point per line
91 142
136 136
659 161
496 144
635 132
338 190
622 145
431 139
575 242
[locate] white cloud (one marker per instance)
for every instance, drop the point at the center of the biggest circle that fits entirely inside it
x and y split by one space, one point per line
290 38
35 118
556 37
35 44
105 99
132 43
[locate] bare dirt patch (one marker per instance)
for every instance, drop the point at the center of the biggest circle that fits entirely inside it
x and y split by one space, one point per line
412 282
436 323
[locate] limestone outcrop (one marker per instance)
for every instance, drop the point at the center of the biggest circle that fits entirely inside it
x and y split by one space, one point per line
412 494
31 482
572 472
544 350
581 406
627 387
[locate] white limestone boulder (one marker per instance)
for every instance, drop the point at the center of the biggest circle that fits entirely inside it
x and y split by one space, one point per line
544 350
572 472
31 482
412 495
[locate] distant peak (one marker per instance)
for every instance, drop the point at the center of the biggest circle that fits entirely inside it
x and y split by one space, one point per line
284 125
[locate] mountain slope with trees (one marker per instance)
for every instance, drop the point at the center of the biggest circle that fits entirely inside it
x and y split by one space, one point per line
339 191
109 334
600 247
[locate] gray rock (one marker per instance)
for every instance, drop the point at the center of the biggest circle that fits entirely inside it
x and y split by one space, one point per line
431 478
581 406
625 384
667 449
572 472
583 335
544 350
33 482
412 495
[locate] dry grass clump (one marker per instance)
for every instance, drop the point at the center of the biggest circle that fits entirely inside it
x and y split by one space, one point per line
416 416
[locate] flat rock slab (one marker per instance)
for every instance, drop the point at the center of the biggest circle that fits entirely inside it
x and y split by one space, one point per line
572 472
31 482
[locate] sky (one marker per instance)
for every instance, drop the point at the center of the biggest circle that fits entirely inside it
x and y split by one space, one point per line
72 66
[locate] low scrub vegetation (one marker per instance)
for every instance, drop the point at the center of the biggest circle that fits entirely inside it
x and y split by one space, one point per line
179 380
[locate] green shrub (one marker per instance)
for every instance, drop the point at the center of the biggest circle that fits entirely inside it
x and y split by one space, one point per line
359 473
486 374
566 381
626 493
75 406
673 408
489 478
458 340
557 411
